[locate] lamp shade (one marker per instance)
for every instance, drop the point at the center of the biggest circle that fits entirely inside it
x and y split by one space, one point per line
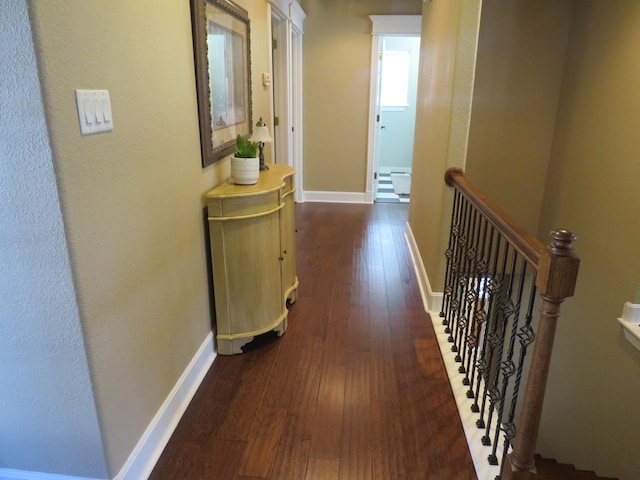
261 133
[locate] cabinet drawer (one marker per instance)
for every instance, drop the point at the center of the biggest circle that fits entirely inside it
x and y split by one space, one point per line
242 205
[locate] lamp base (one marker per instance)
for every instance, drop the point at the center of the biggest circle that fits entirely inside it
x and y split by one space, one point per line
261 157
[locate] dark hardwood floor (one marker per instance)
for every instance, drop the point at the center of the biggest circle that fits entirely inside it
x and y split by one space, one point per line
354 390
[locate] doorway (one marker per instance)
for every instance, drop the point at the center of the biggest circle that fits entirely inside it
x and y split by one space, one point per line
397 100
394 84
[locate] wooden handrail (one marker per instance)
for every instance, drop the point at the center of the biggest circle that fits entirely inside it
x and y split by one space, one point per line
557 269
527 245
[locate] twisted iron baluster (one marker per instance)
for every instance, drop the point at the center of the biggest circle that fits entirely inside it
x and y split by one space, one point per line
471 294
488 254
449 254
454 304
493 342
526 336
477 318
507 367
456 301
494 289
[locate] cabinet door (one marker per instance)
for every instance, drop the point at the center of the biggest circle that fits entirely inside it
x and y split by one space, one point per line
247 280
288 245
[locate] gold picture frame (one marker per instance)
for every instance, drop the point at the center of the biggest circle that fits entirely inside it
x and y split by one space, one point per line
222 58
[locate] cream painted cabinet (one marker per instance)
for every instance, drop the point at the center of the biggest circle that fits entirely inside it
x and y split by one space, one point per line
252 240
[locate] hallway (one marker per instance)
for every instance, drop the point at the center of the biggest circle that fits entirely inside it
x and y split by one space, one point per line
354 390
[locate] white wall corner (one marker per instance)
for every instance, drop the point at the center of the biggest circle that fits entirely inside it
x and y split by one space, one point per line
155 438
431 300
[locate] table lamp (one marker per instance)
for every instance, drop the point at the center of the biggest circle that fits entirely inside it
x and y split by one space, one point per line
261 134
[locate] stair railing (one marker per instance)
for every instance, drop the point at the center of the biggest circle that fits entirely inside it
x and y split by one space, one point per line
496 274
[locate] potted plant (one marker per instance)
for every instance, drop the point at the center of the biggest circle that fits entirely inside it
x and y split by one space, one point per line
245 164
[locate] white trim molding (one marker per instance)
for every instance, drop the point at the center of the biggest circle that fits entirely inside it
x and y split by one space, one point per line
7 474
150 446
431 300
396 24
337 197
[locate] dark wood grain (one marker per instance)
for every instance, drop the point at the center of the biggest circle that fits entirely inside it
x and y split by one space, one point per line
355 389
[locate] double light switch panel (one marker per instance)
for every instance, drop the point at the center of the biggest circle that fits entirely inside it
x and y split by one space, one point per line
94 111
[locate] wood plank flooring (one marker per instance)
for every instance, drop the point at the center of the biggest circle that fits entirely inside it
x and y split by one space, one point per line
355 389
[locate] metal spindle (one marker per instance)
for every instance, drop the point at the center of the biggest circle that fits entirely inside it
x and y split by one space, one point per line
487 310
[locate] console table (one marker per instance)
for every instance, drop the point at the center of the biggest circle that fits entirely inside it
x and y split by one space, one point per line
252 241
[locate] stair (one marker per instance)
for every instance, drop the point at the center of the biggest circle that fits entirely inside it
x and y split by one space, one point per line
549 469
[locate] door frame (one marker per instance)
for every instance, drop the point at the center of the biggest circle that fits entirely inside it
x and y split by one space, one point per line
410 25
286 19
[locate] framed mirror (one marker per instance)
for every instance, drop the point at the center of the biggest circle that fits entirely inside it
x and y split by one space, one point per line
222 53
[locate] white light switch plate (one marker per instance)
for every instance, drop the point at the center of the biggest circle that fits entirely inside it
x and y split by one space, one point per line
94 111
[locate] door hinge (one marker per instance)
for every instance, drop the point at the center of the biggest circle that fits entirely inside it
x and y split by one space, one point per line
375 175
274 43
378 118
276 121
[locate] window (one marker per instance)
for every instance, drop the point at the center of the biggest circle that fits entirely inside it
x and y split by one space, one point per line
394 88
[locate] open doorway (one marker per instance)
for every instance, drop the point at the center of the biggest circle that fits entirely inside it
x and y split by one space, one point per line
398 90
394 84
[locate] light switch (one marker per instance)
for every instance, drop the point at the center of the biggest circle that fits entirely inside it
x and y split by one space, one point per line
97 107
89 114
106 109
94 111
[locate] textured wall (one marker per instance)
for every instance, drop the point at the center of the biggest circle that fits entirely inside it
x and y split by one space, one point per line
521 56
447 62
591 417
48 421
132 198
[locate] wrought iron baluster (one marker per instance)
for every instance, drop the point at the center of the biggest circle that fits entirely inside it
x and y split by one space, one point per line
526 337
489 252
495 347
456 266
477 314
507 367
471 294
458 286
457 200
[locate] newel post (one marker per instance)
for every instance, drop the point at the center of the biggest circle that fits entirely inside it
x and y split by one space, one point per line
556 280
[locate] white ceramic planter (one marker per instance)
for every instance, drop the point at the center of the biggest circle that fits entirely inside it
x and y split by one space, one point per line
245 171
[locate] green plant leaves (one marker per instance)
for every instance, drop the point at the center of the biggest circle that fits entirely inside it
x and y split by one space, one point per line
245 148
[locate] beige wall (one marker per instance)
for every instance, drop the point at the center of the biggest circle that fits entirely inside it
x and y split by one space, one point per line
336 71
591 417
521 53
132 199
447 62
555 145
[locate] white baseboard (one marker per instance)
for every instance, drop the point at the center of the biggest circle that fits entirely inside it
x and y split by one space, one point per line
150 446
479 452
338 197
394 170
155 438
431 300
433 305
7 474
